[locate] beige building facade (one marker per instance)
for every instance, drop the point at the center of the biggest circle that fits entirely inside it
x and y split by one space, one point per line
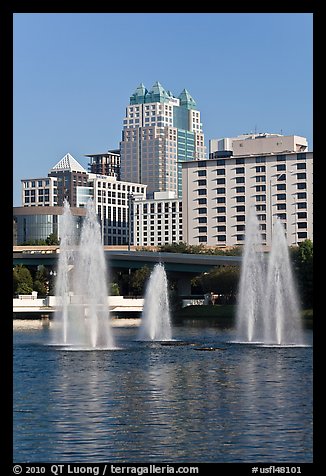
218 193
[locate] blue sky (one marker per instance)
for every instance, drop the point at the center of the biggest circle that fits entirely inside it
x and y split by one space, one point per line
74 74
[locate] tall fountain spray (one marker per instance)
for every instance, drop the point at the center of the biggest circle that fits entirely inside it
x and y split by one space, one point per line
268 310
62 287
156 319
82 286
282 320
252 285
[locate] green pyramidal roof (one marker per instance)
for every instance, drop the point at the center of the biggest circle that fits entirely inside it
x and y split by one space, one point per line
139 95
187 100
159 94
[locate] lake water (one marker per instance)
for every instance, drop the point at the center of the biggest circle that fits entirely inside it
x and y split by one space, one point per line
148 402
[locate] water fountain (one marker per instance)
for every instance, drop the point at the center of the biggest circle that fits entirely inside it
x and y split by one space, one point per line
156 320
83 314
282 321
252 286
268 310
62 287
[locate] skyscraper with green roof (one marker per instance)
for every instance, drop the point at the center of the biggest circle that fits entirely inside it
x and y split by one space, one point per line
160 131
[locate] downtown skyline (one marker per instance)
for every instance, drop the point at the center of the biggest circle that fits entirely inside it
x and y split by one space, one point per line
247 73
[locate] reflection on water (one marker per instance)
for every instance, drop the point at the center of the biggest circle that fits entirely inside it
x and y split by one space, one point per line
147 402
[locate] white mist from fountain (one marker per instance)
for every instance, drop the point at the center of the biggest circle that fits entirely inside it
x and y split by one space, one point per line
282 313
62 287
156 318
82 286
268 310
252 286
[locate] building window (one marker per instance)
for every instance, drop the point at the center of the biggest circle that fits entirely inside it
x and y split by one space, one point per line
239 180
220 200
221 210
302 214
260 160
202 239
221 228
301 166
220 181
221 219
280 167
240 199
202 211
220 162
302 175
202 201
260 169
281 206
302 234
240 161
301 186
301 156
202 183
221 238
202 220
240 189
240 170
201 173
202 191
241 218
241 208
220 172
202 229
281 196
281 186
302 224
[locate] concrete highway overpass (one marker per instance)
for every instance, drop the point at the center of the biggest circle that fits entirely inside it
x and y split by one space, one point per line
181 266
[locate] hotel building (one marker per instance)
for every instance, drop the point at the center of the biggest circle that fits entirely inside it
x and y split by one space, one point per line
271 173
157 221
160 132
112 199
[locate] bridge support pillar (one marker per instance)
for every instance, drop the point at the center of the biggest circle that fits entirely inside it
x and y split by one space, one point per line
184 285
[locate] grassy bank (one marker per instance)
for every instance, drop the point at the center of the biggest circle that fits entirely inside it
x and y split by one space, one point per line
219 310
225 313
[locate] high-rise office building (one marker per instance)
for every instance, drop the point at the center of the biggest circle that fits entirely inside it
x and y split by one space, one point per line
160 132
69 175
107 163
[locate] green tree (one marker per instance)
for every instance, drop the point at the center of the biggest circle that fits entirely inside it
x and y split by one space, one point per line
115 291
302 258
138 280
22 280
222 280
41 281
52 239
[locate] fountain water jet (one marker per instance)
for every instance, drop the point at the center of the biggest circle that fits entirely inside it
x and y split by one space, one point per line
252 286
156 320
282 321
83 293
268 310
62 286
